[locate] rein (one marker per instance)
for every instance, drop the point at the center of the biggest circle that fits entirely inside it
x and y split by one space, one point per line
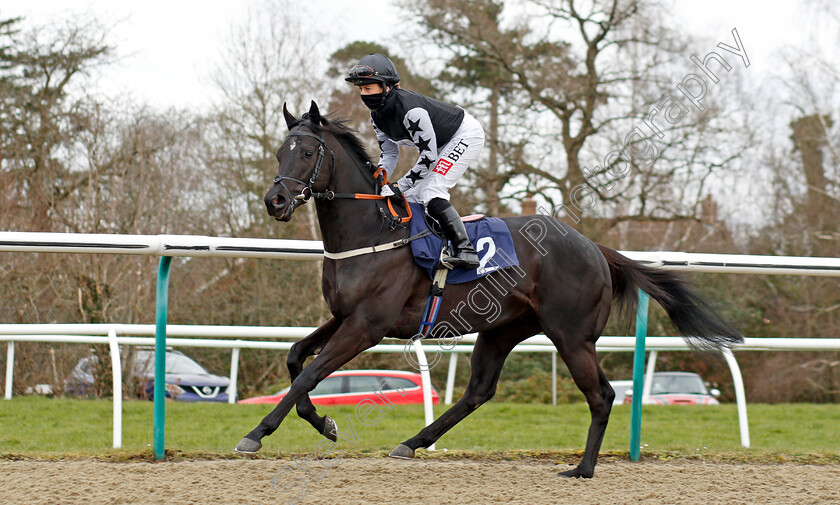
379 175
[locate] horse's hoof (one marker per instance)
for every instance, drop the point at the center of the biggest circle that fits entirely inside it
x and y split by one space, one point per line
573 474
330 429
248 446
402 451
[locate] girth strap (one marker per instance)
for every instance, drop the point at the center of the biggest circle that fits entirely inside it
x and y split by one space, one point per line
374 248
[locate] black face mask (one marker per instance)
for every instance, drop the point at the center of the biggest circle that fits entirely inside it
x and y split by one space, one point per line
374 102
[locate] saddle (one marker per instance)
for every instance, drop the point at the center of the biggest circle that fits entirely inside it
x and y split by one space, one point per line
485 233
490 236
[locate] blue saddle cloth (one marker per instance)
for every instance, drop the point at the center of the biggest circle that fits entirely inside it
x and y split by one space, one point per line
490 236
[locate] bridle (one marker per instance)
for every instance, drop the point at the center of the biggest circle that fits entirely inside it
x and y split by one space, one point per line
306 194
307 186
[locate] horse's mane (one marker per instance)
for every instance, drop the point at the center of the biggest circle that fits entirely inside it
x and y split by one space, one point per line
339 128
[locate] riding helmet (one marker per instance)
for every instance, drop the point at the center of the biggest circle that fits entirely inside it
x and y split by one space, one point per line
374 68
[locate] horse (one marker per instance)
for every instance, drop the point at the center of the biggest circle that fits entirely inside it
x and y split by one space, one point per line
565 289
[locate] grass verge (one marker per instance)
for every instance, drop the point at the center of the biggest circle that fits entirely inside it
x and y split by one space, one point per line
55 429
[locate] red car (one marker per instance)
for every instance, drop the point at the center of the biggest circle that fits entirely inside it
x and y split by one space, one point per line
349 387
678 388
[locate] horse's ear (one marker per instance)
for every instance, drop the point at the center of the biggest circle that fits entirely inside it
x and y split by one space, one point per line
314 114
290 119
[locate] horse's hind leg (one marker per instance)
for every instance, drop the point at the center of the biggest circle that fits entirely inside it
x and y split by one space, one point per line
488 356
576 344
587 374
301 350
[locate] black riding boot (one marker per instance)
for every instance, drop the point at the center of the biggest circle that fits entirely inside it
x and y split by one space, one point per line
453 228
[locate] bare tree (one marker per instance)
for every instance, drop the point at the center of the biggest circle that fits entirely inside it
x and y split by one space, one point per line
565 83
271 58
41 68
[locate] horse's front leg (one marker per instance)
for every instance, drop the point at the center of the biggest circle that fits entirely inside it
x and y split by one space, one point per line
353 336
294 362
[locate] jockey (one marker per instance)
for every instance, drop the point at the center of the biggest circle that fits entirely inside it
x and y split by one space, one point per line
447 137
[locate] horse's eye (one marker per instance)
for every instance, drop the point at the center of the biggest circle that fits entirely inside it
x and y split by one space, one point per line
308 154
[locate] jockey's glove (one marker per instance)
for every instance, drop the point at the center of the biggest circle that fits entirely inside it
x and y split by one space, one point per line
391 189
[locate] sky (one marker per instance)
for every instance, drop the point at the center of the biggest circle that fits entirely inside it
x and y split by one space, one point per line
168 49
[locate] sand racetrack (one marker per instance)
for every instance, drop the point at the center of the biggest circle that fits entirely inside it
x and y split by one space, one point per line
382 480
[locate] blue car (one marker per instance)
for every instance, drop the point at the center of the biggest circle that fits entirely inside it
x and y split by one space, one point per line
186 380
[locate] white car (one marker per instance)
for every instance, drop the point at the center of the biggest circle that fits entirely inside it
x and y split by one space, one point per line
673 388
622 389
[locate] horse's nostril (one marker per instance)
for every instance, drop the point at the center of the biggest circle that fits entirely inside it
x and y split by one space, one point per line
278 201
275 203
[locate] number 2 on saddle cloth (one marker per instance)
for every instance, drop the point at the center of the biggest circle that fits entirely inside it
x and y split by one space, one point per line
493 243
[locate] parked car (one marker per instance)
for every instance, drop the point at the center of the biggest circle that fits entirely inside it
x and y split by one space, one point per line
678 388
349 387
186 380
622 388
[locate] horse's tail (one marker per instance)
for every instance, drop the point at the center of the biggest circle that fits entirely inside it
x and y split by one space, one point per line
698 323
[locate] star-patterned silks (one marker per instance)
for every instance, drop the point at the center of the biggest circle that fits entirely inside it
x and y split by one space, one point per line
414 127
425 160
422 144
414 176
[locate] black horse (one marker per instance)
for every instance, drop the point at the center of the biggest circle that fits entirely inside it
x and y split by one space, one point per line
564 288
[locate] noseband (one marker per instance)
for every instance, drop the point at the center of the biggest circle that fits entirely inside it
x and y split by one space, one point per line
306 192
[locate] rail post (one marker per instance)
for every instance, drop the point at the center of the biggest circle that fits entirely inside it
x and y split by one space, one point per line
426 381
638 377
234 373
450 378
162 298
554 377
116 367
740 396
10 368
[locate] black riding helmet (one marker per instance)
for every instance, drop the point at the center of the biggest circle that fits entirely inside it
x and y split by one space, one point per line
374 68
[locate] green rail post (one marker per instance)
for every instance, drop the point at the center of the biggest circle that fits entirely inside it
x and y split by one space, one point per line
160 356
638 377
